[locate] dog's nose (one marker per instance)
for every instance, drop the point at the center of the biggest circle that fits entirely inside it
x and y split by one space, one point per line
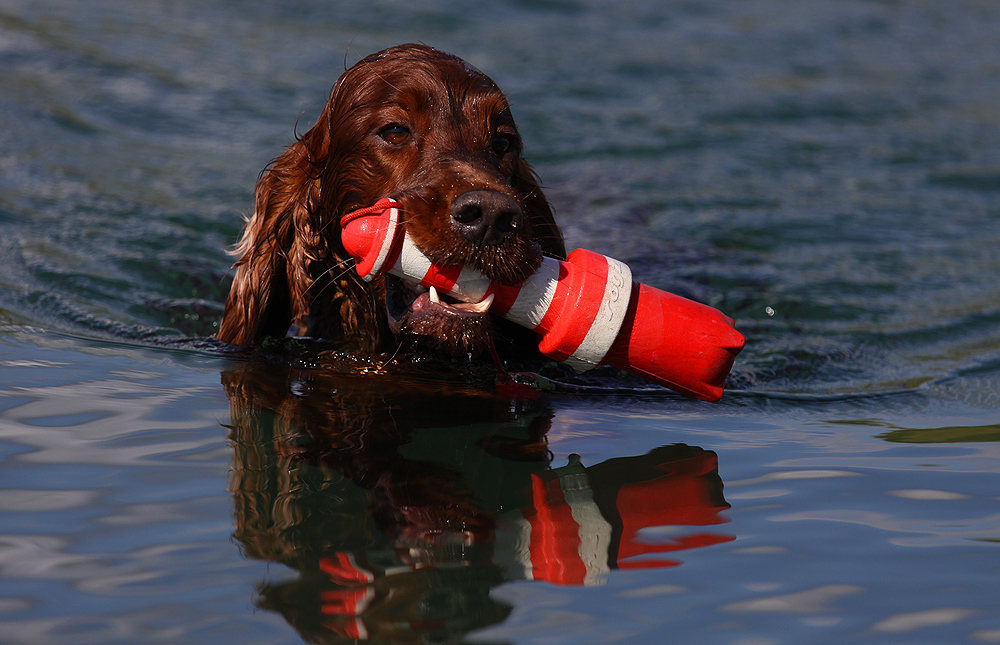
485 217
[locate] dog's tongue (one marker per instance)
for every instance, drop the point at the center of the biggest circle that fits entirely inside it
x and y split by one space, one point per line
474 308
430 303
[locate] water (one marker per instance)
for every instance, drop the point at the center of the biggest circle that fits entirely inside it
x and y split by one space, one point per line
827 173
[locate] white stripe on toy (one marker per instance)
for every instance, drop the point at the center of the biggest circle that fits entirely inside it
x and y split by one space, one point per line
605 327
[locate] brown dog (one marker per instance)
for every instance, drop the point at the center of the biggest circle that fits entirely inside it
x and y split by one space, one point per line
428 130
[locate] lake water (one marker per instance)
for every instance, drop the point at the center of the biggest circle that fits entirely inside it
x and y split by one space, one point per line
827 173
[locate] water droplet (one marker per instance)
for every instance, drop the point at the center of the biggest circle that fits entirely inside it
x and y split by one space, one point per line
769 311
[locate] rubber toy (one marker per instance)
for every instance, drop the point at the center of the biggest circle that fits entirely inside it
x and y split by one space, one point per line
586 309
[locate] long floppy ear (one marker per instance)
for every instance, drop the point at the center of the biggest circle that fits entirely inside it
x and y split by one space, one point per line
543 222
269 291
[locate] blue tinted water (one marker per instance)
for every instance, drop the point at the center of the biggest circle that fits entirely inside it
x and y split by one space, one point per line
827 173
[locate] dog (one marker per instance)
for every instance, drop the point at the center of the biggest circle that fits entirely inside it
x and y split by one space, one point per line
435 134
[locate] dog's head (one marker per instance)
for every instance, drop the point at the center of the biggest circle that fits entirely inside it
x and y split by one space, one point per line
435 134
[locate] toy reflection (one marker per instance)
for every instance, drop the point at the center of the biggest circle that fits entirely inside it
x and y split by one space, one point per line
401 501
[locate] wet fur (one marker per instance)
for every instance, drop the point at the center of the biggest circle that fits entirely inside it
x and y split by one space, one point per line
293 275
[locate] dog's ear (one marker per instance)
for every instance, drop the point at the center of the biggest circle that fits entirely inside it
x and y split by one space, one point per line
543 222
270 289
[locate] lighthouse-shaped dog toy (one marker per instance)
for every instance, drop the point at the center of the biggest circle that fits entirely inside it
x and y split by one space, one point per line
586 309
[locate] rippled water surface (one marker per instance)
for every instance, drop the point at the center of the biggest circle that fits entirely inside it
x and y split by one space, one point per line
827 173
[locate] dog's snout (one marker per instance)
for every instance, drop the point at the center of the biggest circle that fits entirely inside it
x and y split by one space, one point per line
485 217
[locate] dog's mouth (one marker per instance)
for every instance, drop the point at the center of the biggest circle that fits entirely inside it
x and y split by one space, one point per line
437 321
482 229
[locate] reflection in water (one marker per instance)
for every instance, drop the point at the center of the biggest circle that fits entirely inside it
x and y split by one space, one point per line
402 501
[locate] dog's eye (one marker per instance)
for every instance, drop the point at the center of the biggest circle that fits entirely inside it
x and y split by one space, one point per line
501 144
395 134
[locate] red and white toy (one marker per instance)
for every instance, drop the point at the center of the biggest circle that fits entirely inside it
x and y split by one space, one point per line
586 309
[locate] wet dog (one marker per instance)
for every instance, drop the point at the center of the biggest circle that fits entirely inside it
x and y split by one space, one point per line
431 132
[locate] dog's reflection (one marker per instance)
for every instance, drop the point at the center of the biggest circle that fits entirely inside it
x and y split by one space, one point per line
401 501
